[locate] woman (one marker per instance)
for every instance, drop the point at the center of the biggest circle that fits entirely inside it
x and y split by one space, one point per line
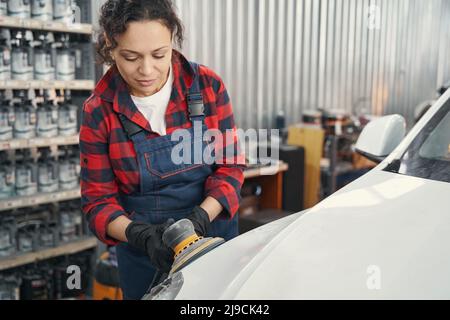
129 183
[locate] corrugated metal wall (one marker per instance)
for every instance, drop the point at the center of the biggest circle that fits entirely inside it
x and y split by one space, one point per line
385 56
380 55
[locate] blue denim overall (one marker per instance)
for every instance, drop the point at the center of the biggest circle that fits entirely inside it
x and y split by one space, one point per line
167 190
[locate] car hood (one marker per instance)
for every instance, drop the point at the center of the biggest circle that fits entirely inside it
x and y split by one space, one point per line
384 236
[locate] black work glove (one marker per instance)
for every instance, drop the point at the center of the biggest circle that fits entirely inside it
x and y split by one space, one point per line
200 219
148 238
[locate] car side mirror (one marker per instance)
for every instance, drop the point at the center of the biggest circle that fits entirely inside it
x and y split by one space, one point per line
380 137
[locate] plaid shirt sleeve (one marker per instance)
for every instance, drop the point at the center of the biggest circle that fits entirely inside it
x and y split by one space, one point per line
99 188
225 183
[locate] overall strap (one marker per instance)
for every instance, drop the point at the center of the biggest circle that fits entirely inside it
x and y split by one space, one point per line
195 107
195 97
134 132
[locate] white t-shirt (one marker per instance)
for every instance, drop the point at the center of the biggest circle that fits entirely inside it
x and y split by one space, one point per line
154 107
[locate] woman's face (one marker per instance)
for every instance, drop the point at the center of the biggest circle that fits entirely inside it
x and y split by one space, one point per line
143 56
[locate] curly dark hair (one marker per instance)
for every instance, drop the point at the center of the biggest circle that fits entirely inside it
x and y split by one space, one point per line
116 14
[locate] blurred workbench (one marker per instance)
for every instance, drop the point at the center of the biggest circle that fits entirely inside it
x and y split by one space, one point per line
270 178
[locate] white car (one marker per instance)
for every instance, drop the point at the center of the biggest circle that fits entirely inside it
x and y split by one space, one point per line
384 236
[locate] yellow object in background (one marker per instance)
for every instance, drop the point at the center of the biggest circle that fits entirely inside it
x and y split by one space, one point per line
102 292
106 284
311 138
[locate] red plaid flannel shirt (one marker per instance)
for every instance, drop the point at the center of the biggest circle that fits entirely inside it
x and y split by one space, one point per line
108 159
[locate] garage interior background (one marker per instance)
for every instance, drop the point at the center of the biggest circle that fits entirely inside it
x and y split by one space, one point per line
276 57
381 56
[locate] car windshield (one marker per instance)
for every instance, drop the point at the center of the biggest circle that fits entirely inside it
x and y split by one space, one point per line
428 156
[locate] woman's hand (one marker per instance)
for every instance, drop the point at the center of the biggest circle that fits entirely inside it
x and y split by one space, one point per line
148 238
200 219
202 215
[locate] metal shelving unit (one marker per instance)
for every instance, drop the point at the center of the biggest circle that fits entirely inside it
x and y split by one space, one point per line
83 44
42 198
32 24
38 142
37 84
32 257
